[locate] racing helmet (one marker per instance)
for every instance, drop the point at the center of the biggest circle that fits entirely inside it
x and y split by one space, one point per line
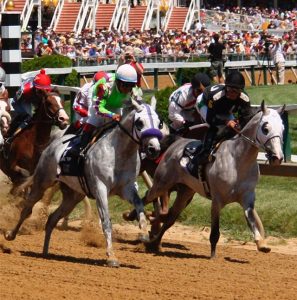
200 78
126 73
235 80
99 75
42 81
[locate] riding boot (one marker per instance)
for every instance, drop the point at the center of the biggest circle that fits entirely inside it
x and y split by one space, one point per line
85 138
202 157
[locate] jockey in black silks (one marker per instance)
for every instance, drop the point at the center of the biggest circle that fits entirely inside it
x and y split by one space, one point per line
218 106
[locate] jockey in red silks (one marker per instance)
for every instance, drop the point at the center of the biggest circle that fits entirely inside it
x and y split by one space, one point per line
4 104
28 95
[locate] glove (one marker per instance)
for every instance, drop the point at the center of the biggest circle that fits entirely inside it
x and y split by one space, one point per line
81 111
232 124
116 117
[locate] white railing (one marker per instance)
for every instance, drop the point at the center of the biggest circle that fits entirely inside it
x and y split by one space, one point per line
152 6
118 15
190 16
57 14
168 14
86 12
27 10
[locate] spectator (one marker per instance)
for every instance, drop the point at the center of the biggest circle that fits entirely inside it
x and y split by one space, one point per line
276 53
215 50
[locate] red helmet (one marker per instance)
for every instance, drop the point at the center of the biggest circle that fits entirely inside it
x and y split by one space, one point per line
42 81
99 75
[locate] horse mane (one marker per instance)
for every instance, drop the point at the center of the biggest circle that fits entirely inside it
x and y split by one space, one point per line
167 141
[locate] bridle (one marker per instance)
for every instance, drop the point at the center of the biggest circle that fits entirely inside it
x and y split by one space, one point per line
150 132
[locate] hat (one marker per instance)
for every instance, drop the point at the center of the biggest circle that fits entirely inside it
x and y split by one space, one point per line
129 50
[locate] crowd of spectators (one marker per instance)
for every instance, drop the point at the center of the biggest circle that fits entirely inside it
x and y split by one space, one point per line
106 45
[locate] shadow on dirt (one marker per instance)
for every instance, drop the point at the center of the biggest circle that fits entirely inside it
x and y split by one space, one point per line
76 260
234 260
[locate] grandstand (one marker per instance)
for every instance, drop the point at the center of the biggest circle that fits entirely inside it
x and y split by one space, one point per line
70 15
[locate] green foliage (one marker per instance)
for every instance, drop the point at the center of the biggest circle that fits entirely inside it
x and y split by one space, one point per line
49 61
72 79
162 97
185 75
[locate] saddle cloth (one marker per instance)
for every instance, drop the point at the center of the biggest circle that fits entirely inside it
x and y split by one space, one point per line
71 165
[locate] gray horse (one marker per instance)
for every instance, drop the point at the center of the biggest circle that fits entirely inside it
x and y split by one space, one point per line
232 177
111 167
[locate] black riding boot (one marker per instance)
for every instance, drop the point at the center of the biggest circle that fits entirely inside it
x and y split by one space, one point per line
84 140
202 157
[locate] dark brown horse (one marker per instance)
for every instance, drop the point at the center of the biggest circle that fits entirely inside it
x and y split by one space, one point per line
22 152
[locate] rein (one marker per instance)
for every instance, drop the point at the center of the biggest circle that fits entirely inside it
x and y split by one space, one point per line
128 133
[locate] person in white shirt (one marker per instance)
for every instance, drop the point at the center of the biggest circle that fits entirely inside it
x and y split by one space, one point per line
277 55
182 111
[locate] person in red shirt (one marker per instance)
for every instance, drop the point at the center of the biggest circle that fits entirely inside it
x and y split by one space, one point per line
129 58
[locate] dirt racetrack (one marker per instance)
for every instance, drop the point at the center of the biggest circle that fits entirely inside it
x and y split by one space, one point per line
182 270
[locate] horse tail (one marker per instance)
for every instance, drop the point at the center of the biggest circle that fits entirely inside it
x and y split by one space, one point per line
22 188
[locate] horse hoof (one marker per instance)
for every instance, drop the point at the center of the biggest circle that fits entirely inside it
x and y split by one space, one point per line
142 221
129 216
9 236
152 246
113 263
144 238
262 246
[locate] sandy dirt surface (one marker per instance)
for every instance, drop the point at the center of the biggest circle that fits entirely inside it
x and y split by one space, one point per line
76 267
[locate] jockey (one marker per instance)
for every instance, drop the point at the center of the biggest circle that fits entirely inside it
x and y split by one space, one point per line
4 103
83 99
217 107
182 111
109 95
28 94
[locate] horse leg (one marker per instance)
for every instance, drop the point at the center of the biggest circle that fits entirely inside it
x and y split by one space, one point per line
255 224
183 198
215 227
102 207
130 193
69 201
38 188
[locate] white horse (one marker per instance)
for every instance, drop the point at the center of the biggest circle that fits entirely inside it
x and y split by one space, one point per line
232 177
111 167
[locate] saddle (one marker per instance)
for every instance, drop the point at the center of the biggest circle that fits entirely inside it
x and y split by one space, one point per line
18 124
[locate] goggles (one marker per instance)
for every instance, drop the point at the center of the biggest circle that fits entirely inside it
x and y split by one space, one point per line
233 90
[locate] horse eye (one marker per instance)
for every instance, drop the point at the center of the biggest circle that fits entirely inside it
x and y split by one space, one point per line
139 124
264 128
161 124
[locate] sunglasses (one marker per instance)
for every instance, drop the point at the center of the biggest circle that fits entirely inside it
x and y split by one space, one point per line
129 85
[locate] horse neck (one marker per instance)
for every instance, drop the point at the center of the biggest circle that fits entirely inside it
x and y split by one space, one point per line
246 151
42 125
124 140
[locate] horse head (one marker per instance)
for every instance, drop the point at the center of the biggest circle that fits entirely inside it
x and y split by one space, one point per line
54 109
270 134
146 129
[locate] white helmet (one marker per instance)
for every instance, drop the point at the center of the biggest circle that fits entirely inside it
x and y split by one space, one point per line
2 75
126 73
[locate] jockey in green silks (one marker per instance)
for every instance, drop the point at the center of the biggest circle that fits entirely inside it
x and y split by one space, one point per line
108 96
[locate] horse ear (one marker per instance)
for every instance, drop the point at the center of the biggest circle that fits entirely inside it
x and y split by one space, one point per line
281 109
264 107
137 106
153 103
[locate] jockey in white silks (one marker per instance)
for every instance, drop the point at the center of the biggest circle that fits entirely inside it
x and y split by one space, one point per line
4 104
182 111
108 97
83 99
